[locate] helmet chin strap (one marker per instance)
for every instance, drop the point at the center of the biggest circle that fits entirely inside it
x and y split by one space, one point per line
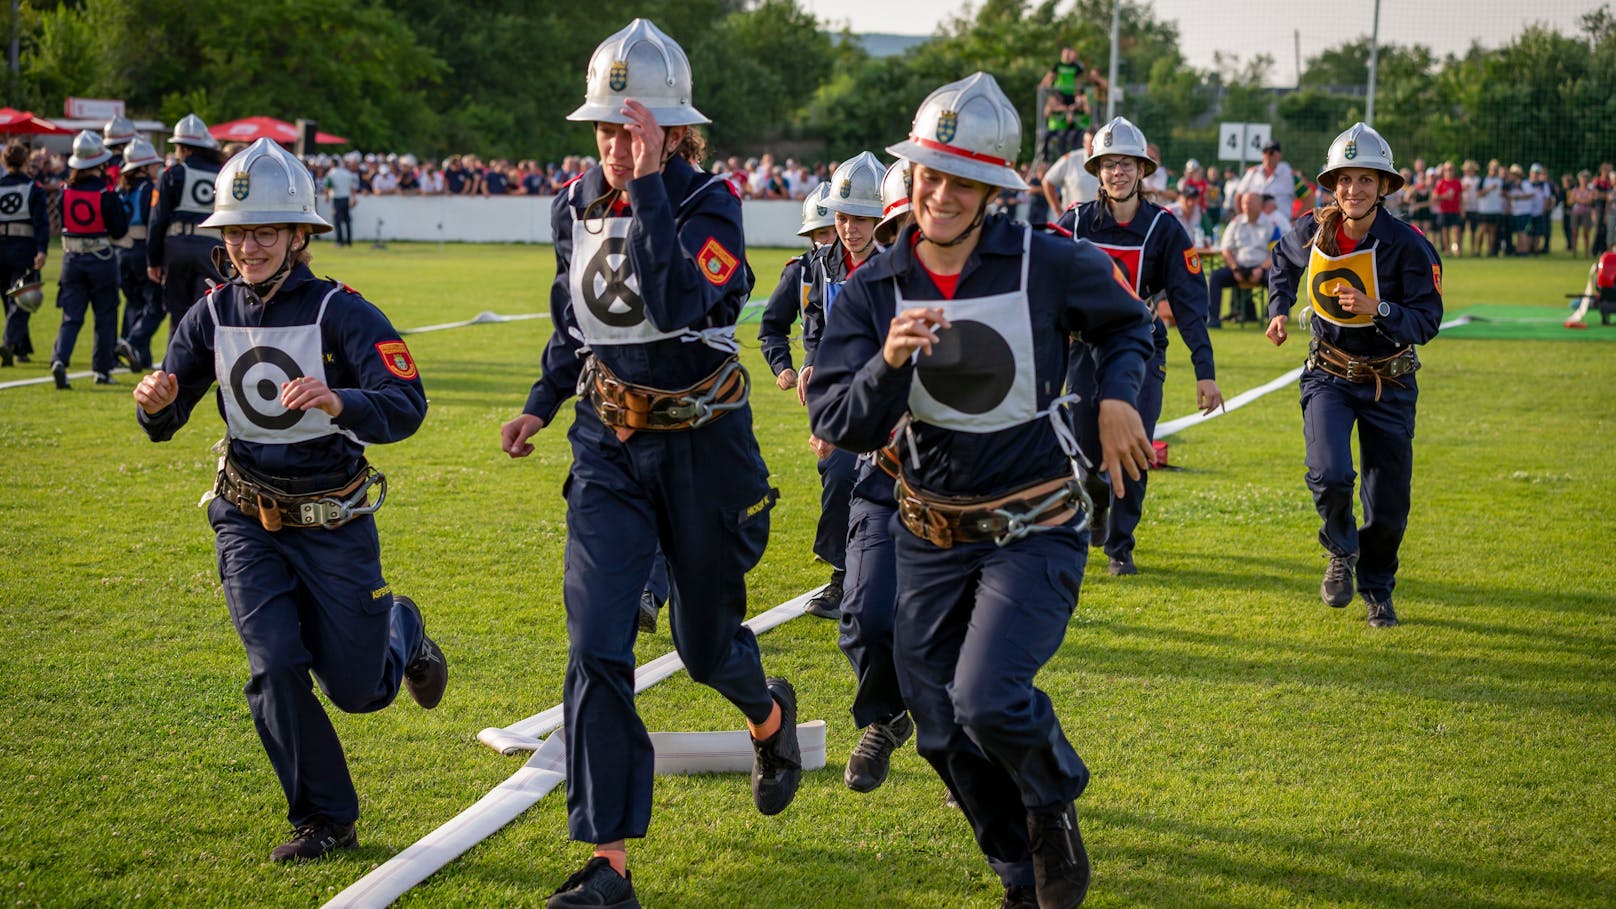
263 289
1379 202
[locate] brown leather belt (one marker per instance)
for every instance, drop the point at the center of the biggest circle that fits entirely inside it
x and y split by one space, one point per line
276 508
1339 363
623 405
944 520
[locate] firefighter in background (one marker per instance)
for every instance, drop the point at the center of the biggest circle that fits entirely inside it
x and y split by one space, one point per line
142 297
1375 289
1600 291
790 295
116 134
650 278
24 242
308 374
1158 258
92 218
180 251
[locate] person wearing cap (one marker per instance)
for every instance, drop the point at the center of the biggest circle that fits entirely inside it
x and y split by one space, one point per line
25 233
180 251
309 372
650 277
1375 290
92 219
965 325
1157 258
786 303
143 305
1272 177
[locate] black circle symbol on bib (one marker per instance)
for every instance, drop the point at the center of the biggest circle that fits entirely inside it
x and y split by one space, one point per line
10 203
202 192
971 368
81 213
1329 301
264 388
605 286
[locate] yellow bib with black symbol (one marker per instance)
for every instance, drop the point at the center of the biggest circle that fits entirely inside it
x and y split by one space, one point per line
980 375
606 299
253 362
1327 276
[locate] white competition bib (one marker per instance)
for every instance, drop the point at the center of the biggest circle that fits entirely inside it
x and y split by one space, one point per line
981 374
251 364
196 193
14 203
606 299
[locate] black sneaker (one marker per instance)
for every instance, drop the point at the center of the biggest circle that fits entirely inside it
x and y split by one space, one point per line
1019 896
1060 864
102 378
1381 613
777 760
1337 587
315 839
1123 565
827 603
126 355
949 801
427 674
59 373
1100 494
6 359
648 612
871 759
595 886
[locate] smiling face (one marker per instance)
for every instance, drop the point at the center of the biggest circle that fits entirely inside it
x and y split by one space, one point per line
945 205
1119 174
1357 189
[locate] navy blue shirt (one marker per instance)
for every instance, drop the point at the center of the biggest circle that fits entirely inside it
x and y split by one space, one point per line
494 183
855 399
38 213
774 328
378 405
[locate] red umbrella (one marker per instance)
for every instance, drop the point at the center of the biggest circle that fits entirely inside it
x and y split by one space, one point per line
253 128
21 122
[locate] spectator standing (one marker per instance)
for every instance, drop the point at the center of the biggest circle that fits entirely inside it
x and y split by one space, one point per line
1582 214
432 182
495 183
341 190
1273 177
1490 210
1154 188
1068 183
1543 187
1604 188
456 179
1448 194
385 183
1214 200
1562 200
1470 182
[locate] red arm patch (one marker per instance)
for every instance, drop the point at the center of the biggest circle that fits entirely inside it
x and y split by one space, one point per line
396 357
1192 261
716 262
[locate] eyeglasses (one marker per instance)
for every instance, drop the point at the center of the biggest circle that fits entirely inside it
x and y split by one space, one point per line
267 235
1119 163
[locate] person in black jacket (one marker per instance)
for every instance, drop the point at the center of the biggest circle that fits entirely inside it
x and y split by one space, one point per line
92 218
180 249
24 243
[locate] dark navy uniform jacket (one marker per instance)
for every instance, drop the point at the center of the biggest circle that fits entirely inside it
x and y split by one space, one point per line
378 406
39 213
1407 268
169 187
1163 265
114 220
826 271
785 304
676 214
855 398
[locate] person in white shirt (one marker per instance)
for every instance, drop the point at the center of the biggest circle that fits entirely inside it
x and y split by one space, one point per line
1489 210
1154 187
1068 182
385 183
341 187
1273 177
1247 256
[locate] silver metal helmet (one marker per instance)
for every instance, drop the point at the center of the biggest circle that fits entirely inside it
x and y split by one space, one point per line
119 129
1121 137
856 186
264 184
816 212
1191 166
88 151
27 292
140 153
969 129
897 188
193 132
1360 146
643 63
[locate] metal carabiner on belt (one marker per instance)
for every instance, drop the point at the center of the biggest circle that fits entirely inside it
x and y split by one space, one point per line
701 410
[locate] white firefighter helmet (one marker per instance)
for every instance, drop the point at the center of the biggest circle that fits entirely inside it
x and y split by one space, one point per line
88 151
643 63
193 132
27 291
816 212
969 129
1121 137
140 153
264 184
897 188
119 130
855 186
1360 146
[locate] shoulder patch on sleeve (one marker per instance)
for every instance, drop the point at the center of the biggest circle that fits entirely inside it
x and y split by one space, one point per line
1192 261
717 263
396 357
1436 276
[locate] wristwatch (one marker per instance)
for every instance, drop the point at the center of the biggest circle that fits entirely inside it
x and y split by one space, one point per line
1384 309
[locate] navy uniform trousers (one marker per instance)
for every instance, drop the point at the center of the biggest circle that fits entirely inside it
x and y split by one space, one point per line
868 605
703 494
89 282
836 474
975 623
1125 513
187 267
311 601
1330 408
16 260
142 300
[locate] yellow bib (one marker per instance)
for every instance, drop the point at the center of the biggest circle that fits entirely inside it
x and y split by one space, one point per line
1327 275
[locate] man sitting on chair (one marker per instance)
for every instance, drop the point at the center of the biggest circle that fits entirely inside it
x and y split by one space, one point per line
1246 244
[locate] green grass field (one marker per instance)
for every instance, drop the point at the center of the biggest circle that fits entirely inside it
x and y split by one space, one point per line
1250 747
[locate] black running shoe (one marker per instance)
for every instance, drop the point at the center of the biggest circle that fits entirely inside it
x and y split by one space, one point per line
315 839
648 612
1381 614
1122 566
827 603
1337 587
59 373
1019 896
595 886
777 760
6 359
126 355
427 674
1060 864
871 759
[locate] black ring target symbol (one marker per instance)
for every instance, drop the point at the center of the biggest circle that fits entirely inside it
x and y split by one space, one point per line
264 389
1330 302
10 203
971 368
202 192
81 213
605 286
